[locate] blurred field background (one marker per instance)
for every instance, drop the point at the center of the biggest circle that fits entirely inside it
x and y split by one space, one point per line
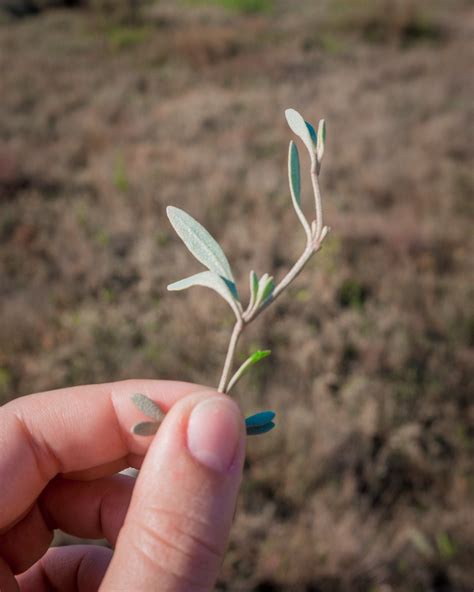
111 110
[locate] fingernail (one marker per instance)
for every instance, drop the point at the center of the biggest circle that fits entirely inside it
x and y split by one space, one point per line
213 433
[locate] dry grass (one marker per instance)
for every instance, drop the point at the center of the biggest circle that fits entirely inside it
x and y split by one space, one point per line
367 483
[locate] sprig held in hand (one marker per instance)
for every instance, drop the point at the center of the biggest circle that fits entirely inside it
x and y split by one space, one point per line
263 291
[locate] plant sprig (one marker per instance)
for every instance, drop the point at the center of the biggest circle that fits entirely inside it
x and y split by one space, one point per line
263 290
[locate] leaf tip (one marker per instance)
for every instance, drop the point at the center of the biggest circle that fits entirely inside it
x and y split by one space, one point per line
292 116
171 212
145 428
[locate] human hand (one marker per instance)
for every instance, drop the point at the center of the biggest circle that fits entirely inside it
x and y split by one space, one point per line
59 452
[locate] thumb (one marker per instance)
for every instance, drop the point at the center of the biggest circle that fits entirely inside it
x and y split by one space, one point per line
175 534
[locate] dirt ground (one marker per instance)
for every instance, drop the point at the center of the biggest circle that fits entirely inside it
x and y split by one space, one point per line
367 483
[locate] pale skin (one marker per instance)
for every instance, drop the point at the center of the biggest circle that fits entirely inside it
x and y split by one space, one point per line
60 452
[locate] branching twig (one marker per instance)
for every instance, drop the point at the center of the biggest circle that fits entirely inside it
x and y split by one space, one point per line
315 237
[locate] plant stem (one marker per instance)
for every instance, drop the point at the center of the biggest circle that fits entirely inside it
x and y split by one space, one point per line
313 244
230 355
239 326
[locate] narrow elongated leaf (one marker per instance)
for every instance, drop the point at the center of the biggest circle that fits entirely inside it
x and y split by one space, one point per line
199 242
253 280
299 127
259 419
295 185
321 140
266 286
294 174
210 280
147 406
268 289
249 362
260 429
262 281
265 289
145 428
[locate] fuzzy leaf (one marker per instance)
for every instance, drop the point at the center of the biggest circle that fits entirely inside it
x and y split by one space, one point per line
145 428
262 281
259 419
321 140
249 362
294 175
147 406
300 127
295 185
253 280
266 286
260 429
200 243
267 289
312 132
210 280
232 288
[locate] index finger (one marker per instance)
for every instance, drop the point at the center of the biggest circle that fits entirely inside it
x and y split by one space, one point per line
71 429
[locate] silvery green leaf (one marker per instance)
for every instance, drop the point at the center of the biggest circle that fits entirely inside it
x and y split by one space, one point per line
147 406
253 281
145 428
295 185
265 289
312 132
260 429
200 243
259 419
294 175
262 281
232 288
263 285
299 127
249 362
266 286
321 140
213 281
